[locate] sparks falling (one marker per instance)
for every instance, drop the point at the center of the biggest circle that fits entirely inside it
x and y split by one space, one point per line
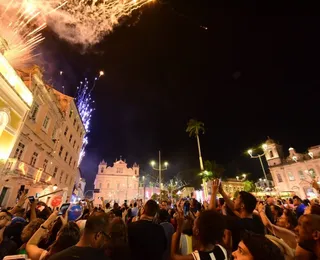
21 23
84 104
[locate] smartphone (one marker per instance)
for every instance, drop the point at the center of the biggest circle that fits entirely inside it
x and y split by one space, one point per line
31 199
63 209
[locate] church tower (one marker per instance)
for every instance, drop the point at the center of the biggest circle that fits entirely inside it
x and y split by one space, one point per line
273 153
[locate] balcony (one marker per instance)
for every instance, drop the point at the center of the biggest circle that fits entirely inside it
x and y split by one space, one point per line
15 169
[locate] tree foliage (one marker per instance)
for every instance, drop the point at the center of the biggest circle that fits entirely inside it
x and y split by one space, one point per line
248 186
195 127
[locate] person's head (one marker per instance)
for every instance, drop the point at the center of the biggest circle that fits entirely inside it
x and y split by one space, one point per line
5 219
150 208
118 230
257 247
163 215
135 204
96 230
221 202
209 227
115 206
312 209
296 201
67 236
276 211
245 202
108 205
308 232
30 229
270 201
287 220
20 212
164 204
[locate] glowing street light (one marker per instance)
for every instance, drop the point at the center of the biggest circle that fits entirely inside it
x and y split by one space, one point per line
264 148
160 169
55 187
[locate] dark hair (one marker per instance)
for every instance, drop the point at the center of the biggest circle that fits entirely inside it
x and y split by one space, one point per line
108 205
248 200
296 197
163 215
306 202
315 209
211 227
7 213
135 204
151 208
278 210
97 222
261 247
221 201
68 236
292 219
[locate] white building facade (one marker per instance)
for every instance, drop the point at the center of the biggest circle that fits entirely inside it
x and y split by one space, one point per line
116 183
295 172
45 157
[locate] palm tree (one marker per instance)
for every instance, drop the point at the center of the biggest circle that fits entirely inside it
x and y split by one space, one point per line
194 128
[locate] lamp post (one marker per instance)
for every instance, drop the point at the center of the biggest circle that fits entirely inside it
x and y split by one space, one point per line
160 169
250 152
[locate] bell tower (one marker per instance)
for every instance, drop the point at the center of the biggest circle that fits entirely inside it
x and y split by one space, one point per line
273 153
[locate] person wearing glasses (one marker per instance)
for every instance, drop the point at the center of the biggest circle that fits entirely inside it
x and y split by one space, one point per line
7 246
92 242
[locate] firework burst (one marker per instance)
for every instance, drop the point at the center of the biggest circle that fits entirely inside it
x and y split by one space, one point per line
84 104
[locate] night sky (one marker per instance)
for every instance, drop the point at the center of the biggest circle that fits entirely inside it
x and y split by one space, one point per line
253 73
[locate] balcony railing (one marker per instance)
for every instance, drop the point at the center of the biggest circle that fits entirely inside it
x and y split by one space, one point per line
19 169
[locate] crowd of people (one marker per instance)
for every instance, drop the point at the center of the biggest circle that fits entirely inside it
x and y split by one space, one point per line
242 228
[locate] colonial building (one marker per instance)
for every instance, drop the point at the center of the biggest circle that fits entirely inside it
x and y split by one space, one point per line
293 173
117 183
46 153
15 102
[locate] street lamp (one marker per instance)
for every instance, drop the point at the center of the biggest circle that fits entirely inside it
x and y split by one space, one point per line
55 187
160 169
250 152
244 176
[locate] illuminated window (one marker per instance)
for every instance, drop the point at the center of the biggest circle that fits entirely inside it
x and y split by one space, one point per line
34 111
4 120
19 151
301 175
279 177
46 122
34 159
291 177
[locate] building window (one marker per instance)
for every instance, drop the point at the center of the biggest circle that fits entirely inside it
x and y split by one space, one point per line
100 185
70 160
119 170
81 135
78 128
61 175
74 164
101 169
45 164
66 131
118 186
34 111
108 185
271 154
291 176
55 171
74 143
54 133
74 122
70 113
46 122
67 177
61 150
19 151
71 180
312 173
78 148
301 175
70 138
135 172
66 157
34 159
